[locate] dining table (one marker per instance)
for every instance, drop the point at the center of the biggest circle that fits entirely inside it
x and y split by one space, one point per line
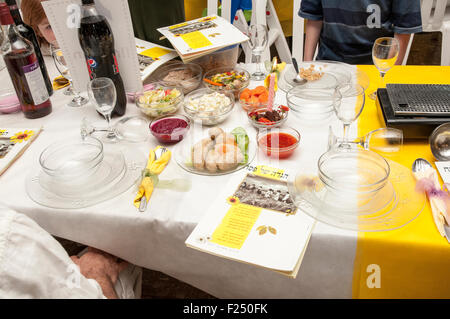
410 262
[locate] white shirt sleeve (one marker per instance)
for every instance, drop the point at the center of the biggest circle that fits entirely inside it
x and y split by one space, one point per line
34 265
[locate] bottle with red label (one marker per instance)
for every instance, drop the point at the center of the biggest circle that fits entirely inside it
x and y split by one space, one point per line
23 67
97 42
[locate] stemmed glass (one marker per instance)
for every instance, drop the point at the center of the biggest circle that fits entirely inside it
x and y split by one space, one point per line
104 96
384 55
258 40
61 65
348 101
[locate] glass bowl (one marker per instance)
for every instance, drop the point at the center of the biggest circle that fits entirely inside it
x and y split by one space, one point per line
268 122
220 75
170 129
159 100
71 158
353 171
310 101
257 97
278 143
9 102
225 57
186 76
209 107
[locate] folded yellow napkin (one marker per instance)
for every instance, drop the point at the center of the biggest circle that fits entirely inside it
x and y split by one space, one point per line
60 82
150 175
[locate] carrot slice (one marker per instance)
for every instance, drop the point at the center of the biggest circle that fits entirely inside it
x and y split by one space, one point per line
213 83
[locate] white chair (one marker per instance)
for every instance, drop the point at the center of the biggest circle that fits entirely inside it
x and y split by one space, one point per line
263 12
436 18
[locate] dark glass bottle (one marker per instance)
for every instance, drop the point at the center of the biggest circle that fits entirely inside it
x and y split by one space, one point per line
23 67
28 33
97 42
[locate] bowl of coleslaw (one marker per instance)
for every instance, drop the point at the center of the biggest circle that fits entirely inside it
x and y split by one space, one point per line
159 99
208 106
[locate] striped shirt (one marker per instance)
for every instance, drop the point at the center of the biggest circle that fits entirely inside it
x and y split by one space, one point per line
351 27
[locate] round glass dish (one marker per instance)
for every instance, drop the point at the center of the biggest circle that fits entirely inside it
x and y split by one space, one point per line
170 128
263 118
9 102
254 98
278 143
227 80
72 158
159 100
209 107
186 76
353 171
311 102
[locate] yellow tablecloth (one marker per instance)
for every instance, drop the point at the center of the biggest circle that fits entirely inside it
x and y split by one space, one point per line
414 261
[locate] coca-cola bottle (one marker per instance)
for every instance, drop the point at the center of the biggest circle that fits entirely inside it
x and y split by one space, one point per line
23 67
28 33
97 42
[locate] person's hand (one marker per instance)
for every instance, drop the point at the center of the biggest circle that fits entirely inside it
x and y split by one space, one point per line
102 267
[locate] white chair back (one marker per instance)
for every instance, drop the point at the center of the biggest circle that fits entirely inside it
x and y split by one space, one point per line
433 12
226 9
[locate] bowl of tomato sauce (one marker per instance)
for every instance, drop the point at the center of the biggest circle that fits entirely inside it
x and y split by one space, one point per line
278 142
170 129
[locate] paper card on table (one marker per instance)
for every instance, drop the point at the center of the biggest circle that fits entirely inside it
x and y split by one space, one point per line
444 171
255 221
64 17
13 143
151 56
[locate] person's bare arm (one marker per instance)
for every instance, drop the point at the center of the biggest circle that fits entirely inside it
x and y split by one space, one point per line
403 40
312 30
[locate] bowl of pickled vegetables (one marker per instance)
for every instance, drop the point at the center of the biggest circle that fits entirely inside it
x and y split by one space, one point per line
159 100
225 79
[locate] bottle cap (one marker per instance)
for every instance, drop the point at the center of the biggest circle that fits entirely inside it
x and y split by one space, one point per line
5 15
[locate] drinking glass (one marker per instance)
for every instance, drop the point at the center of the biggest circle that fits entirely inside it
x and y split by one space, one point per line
61 65
103 95
258 40
384 55
348 102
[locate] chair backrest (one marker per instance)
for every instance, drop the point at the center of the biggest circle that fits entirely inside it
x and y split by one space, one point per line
298 31
433 12
226 9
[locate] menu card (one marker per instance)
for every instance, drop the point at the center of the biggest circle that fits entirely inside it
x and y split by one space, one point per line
64 17
202 36
256 222
13 143
151 56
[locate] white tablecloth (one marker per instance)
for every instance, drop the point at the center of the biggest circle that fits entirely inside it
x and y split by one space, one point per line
155 239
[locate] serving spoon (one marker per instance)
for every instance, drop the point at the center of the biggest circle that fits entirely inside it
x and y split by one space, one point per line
419 167
298 79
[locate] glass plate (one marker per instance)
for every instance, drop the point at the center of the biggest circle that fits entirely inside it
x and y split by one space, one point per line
135 162
182 156
393 207
133 129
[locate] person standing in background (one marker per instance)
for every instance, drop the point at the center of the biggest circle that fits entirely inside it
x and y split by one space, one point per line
148 15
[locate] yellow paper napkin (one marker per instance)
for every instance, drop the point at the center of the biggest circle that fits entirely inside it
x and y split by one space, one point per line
60 82
150 175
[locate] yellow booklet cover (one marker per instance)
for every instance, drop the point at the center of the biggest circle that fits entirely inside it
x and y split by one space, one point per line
255 221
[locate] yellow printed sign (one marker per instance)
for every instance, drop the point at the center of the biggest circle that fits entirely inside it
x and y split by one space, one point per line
196 40
269 172
236 226
155 52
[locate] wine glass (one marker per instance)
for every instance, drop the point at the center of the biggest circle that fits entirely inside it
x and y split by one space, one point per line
258 40
384 140
384 55
348 101
61 65
104 96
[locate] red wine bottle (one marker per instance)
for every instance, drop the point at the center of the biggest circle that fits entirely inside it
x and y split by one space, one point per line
28 33
23 68
97 42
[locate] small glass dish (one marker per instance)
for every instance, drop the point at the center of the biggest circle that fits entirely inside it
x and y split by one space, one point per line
9 102
255 98
310 101
159 100
186 76
278 143
170 129
71 158
209 107
218 79
264 118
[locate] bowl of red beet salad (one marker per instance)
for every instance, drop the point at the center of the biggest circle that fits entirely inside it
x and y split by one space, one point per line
278 142
170 129
265 118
